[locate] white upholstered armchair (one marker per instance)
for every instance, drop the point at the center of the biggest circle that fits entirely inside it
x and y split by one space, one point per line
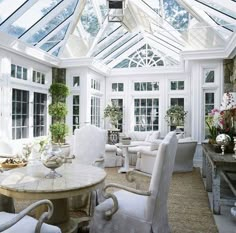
140 211
21 222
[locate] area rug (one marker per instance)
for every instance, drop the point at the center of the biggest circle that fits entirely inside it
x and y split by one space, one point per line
188 205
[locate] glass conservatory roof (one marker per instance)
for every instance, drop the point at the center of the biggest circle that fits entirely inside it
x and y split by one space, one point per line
150 33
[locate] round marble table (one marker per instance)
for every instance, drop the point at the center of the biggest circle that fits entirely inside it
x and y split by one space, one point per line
30 183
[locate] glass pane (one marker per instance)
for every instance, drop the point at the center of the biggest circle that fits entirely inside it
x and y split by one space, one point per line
13 70
120 87
30 17
114 86
209 75
47 28
173 85
209 98
7 9
76 80
181 85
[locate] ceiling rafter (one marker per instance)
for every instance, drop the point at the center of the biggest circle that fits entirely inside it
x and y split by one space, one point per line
75 19
17 14
227 4
199 14
36 27
121 48
126 54
214 12
97 12
54 32
97 38
111 45
156 18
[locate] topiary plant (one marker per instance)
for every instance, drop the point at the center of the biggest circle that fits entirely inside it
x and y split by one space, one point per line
58 110
175 115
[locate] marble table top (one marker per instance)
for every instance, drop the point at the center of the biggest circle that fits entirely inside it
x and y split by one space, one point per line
30 181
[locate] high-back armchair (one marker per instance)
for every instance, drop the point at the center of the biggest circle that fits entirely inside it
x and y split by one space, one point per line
136 211
89 145
89 149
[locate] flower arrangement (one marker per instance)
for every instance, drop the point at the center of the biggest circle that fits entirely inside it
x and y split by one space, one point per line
222 120
175 115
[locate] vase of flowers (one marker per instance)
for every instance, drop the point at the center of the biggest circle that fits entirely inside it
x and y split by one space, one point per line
222 121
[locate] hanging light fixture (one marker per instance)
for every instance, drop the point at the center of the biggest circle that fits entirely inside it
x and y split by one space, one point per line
115 10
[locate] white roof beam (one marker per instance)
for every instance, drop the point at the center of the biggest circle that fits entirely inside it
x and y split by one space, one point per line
46 19
126 53
17 14
98 36
97 12
110 46
201 16
211 11
83 34
121 48
227 4
75 18
156 18
54 32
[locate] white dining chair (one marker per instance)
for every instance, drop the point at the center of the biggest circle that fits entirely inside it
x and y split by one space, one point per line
89 149
136 211
21 222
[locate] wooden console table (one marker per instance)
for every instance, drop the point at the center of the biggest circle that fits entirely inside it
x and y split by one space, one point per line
215 166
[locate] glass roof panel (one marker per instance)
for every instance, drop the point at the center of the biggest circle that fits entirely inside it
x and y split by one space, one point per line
52 24
56 52
55 39
219 8
89 19
113 37
121 43
176 15
30 17
7 9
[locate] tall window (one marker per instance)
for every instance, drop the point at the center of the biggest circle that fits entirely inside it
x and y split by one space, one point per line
119 102
209 105
173 102
18 72
20 114
75 112
146 113
95 111
40 114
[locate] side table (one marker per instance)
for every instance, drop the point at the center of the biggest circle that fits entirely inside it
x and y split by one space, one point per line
126 155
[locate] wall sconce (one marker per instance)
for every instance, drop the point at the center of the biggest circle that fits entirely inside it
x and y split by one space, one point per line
115 10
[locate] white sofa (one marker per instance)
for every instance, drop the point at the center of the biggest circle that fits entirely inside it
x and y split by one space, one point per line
183 159
142 140
113 156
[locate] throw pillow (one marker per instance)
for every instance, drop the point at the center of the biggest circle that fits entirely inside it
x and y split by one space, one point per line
148 136
155 135
155 144
180 136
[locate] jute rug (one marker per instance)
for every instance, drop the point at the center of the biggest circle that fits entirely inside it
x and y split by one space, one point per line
188 205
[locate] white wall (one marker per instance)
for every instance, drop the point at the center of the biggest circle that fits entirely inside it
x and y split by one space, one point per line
7 83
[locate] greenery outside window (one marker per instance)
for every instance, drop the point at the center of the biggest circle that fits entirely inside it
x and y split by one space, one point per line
177 85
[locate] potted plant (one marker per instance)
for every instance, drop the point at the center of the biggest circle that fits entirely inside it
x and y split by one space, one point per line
58 111
175 115
114 114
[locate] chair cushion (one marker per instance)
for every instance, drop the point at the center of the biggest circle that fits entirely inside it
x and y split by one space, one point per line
127 205
26 225
155 144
